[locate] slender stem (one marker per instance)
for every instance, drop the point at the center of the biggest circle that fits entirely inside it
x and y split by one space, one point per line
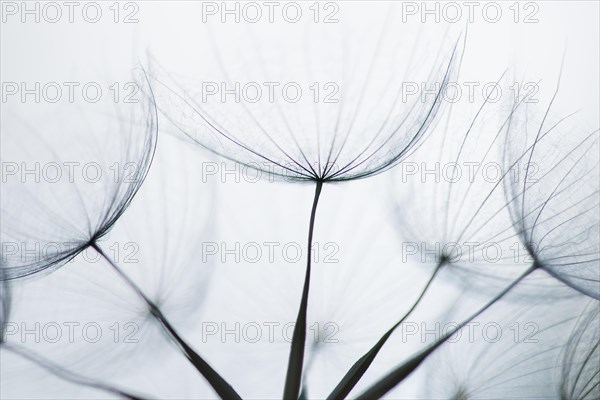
223 389
397 375
437 269
5 304
359 368
68 375
294 371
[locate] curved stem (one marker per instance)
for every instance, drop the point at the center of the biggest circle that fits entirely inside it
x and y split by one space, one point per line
223 389
294 371
5 304
397 375
68 375
359 368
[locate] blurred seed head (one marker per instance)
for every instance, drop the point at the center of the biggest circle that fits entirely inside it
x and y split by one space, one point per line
75 173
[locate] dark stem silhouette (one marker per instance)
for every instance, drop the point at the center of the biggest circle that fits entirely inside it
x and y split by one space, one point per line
223 389
359 368
398 374
293 377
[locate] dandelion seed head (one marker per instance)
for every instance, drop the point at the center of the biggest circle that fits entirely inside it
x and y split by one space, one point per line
555 205
75 175
580 372
360 123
